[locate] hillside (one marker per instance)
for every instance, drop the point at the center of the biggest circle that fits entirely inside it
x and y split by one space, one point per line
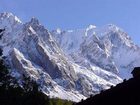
71 64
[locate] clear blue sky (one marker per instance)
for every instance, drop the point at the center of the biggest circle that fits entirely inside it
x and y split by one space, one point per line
73 14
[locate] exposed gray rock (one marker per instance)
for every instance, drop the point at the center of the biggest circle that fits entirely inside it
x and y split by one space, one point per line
69 67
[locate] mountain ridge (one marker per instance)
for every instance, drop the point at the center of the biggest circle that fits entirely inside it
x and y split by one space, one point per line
68 64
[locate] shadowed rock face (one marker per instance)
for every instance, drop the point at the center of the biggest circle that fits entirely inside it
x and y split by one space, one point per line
136 72
126 93
31 49
2 30
40 50
23 65
108 47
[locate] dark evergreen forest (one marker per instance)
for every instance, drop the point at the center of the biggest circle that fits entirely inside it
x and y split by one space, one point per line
25 93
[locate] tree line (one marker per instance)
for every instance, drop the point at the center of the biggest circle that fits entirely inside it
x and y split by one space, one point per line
25 93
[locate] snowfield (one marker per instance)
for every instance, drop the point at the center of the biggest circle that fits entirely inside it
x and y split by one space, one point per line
69 64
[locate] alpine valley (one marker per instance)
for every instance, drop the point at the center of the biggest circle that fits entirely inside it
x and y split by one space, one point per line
68 64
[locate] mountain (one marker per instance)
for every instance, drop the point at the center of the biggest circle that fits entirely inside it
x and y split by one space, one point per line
108 47
125 93
70 64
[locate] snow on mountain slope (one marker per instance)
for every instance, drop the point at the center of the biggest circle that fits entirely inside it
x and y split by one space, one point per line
72 38
68 64
123 51
108 47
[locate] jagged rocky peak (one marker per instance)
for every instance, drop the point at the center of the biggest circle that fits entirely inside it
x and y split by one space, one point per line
110 27
79 62
10 17
34 21
112 31
116 36
34 25
91 27
9 22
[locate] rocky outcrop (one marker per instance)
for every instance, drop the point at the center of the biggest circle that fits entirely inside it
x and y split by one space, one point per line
72 66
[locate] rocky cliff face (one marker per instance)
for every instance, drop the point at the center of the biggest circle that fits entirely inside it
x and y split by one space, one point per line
68 64
108 47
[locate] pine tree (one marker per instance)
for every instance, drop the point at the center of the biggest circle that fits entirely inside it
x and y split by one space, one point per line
11 93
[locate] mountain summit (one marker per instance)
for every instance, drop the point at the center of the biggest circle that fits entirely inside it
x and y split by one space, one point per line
69 64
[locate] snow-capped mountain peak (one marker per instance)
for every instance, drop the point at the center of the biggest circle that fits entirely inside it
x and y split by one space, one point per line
69 64
9 22
91 27
9 17
102 46
34 21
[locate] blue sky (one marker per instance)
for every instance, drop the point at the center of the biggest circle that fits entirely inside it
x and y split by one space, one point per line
73 14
